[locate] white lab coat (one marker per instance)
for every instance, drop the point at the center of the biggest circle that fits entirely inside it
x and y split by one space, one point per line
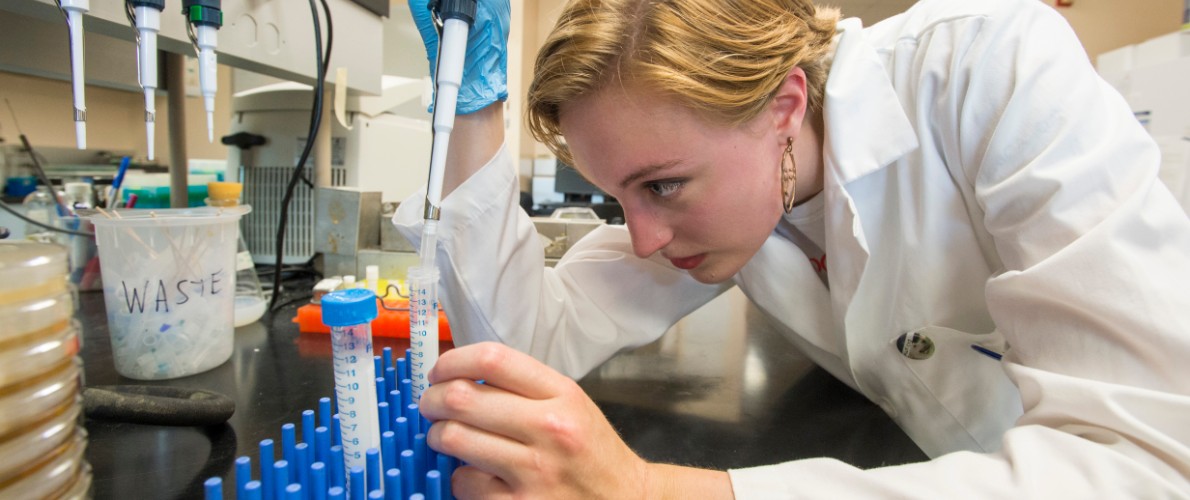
983 186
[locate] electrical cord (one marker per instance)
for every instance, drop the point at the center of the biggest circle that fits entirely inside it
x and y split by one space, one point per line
4 206
315 120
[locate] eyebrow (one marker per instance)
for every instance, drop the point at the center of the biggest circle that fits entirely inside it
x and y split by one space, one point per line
645 172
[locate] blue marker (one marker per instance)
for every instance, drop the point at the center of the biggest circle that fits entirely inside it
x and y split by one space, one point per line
243 474
409 473
987 352
252 491
293 492
392 484
388 449
372 475
334 493
213 488
324 412
266 469
322 444
355 486
433 485
318 481
337 473
288 441
280 479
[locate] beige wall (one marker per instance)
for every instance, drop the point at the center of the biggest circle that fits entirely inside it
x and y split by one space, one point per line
1104 25
115 118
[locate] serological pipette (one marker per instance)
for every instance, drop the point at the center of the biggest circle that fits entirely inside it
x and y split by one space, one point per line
147 16
205 18
454 19
74 10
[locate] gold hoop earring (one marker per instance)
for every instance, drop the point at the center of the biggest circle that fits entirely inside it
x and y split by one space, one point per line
788 177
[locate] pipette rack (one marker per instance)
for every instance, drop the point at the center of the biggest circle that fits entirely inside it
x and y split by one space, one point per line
313 469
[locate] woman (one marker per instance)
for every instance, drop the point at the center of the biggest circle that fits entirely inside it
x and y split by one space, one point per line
970 178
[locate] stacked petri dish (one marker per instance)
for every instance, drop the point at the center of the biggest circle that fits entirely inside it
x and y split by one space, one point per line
41 439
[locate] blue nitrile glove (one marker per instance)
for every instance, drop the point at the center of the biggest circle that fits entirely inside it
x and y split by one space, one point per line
485 70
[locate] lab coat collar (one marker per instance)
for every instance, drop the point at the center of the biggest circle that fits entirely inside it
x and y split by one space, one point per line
865 126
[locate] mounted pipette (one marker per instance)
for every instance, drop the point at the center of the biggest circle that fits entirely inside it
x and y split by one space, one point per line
453 19
146 16
74 10
204 19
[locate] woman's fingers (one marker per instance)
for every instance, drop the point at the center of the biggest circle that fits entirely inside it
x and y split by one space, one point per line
492 409
492 453
500 366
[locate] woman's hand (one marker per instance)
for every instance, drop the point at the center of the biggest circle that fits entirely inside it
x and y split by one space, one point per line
527 431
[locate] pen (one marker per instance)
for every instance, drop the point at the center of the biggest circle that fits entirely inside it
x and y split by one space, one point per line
117 181
987 352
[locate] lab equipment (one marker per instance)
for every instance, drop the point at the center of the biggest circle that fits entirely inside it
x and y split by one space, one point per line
41 443
168 287
204 19
415 471
157 405
74 10
147 18
250 303
41 206
349 314
455 20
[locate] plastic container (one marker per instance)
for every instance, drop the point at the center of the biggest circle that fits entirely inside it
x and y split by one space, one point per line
168 285
250 301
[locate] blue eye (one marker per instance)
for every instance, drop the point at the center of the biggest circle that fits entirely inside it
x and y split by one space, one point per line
664 189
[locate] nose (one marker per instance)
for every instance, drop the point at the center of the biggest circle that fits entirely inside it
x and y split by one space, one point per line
648 232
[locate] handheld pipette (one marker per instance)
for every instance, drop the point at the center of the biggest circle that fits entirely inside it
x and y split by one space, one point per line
453 19
349 314
147 17
74 10
204 19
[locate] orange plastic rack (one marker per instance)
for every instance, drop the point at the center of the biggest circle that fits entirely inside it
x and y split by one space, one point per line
387 324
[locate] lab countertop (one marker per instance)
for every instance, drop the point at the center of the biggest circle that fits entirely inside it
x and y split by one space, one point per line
722 390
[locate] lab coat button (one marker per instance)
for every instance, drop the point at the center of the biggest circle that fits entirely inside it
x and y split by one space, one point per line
915 345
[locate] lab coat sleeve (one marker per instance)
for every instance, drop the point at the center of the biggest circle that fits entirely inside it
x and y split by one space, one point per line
1092 298
599 299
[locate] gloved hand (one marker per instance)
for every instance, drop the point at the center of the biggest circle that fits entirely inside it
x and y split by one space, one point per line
485 70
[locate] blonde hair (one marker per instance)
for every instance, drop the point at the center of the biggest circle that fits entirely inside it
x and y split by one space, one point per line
722 58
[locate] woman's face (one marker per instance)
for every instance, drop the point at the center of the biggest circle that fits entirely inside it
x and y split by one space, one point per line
704 195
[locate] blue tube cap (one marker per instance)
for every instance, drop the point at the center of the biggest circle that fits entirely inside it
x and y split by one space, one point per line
353 306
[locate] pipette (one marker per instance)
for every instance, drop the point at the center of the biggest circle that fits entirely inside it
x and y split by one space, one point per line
454 19
205 18
147 16
74 10
349 314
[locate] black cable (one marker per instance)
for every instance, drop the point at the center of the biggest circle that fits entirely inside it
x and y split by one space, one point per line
4 206
315 120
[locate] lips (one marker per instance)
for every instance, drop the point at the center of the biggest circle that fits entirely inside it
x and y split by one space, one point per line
688 262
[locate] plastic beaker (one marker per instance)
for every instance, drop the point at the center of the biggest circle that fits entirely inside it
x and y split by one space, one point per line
169 287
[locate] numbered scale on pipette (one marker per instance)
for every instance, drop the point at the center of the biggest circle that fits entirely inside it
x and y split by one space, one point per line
423 326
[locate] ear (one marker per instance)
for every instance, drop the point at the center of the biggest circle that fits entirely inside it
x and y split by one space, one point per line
788 108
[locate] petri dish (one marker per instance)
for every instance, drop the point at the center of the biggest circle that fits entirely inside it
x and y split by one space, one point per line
22 450
31 400
31 356
29 269
55 472
80 489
